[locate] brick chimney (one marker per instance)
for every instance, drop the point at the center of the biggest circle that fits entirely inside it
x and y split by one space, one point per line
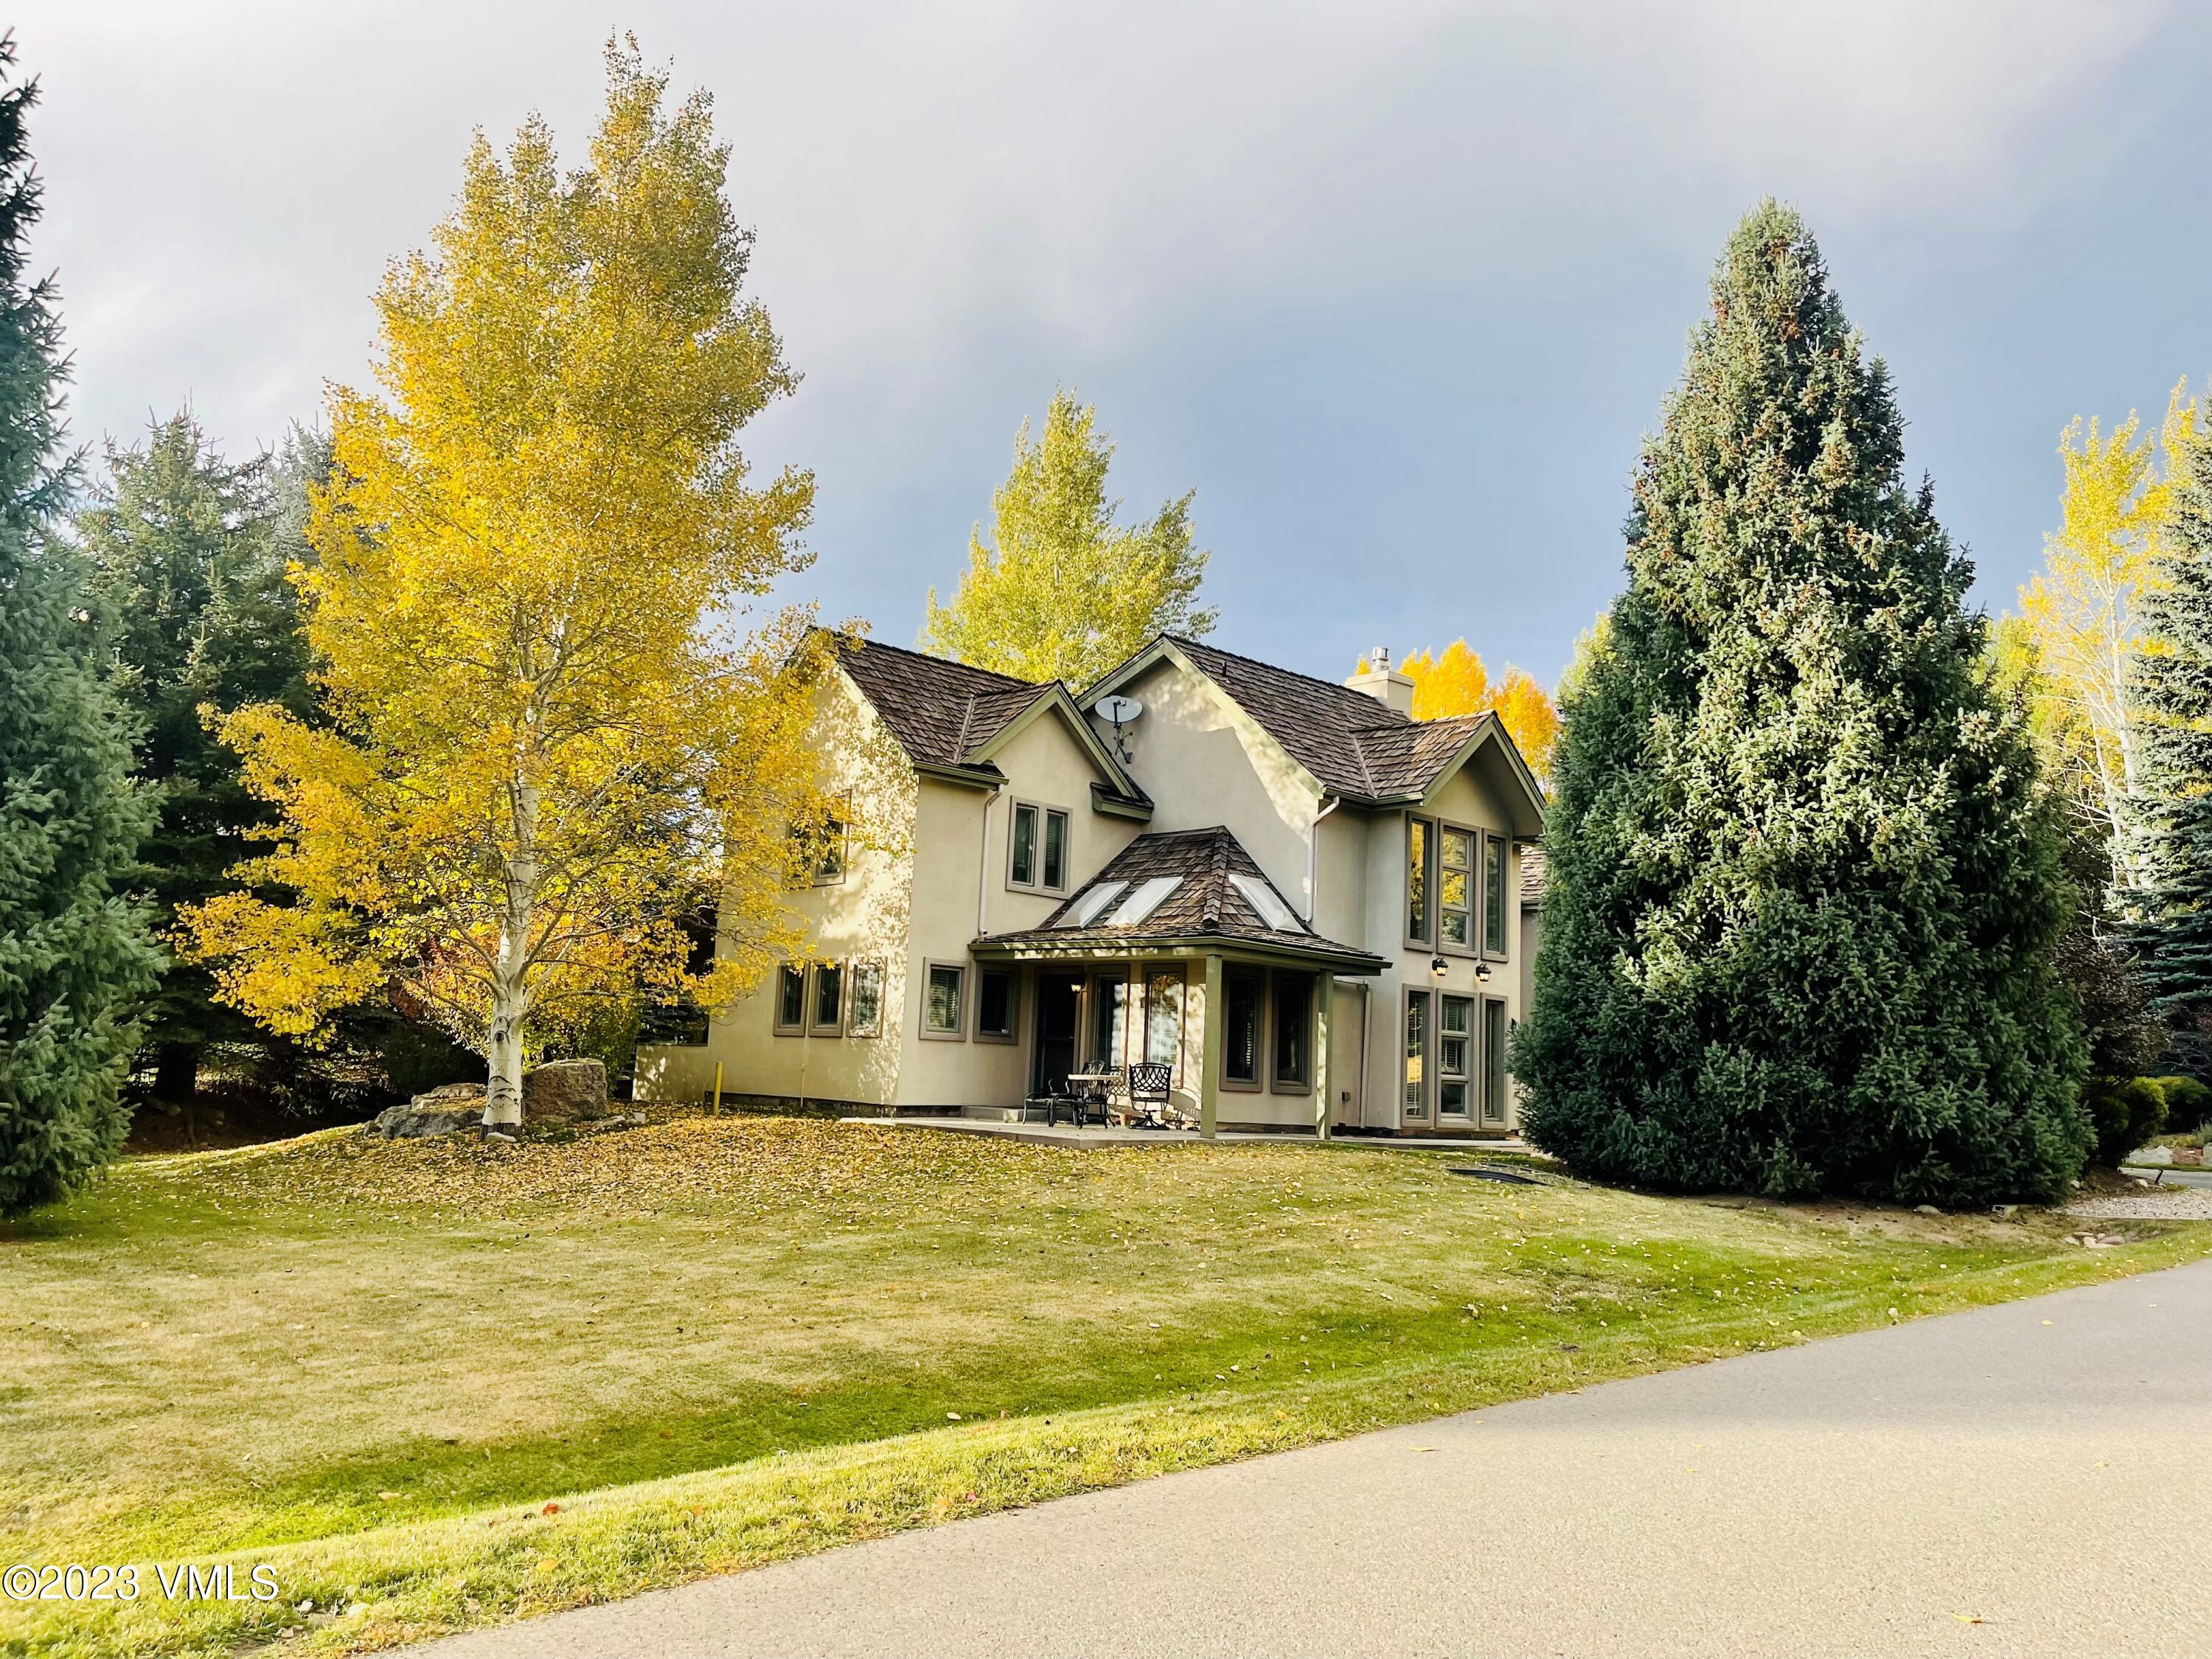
1384 684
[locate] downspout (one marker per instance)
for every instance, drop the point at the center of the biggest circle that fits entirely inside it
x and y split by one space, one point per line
1313 862
983 866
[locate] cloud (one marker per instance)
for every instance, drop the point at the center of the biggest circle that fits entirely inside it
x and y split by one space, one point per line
225 183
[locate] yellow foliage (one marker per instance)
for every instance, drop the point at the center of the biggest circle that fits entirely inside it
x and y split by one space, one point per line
2081 613
1063 591
1453 682
548 742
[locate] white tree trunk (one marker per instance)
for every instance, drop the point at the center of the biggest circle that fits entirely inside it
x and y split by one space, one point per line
503 1091
510 1003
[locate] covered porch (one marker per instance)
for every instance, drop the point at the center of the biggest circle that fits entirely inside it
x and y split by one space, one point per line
1179 973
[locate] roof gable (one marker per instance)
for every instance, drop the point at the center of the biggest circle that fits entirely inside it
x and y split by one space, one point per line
1352 744
948 714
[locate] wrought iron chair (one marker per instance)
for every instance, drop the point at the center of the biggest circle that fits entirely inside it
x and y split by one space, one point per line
1149 1083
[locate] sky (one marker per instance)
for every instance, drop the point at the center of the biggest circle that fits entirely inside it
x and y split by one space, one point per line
1397 288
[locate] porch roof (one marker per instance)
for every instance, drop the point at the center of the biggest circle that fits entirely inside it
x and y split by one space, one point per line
1207 909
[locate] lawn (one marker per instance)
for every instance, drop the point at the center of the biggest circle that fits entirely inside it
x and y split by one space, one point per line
373 1368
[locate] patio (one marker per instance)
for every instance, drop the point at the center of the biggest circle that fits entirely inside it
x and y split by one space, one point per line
1062 1134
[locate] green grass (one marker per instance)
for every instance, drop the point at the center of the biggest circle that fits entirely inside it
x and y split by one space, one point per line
716 1343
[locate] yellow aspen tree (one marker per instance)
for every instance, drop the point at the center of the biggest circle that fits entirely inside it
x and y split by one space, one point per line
1453 682
2082 609
1063 591
1526 712
548 740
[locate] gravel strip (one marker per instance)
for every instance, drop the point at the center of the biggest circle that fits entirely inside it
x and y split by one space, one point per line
2149 1204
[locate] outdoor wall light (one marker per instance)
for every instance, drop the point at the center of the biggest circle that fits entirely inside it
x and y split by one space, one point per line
1482 973
1438 969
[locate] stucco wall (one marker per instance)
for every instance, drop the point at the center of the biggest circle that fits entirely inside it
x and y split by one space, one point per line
1203 765
863 916
1474 796
924 853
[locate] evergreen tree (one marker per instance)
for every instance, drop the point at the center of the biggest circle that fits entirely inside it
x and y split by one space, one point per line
1804 886
2169 816
74 954
188 553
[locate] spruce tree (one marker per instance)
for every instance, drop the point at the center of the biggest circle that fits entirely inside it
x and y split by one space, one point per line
74 954
2169 818
188 553
1804 884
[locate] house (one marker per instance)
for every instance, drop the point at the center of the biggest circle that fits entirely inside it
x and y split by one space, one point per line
1300 900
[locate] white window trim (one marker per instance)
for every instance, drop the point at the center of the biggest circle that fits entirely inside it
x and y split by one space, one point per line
1014 1031
1045 812
959 1031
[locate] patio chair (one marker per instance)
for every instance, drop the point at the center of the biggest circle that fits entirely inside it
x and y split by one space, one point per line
1149 1081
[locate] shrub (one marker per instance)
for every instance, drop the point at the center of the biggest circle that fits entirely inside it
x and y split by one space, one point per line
2188 1102
2125 1113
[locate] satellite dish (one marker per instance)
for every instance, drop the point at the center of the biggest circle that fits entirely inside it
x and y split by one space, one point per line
1117 709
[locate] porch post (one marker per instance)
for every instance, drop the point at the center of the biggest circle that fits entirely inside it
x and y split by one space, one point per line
1209 1051
1324 988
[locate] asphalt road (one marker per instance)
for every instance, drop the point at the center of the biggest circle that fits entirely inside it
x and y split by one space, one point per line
2028 1480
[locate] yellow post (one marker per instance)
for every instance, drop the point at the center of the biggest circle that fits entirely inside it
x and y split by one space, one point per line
718 1088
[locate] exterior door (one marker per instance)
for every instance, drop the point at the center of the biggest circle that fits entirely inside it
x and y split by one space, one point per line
1059 1014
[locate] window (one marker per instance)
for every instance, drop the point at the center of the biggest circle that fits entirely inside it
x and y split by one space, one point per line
1455 887
1493 1061
1140 905
1293 1031
821 841
1110 1021
1085 910
1454 1041
1240 1006
828 997
1417 1054
943 993
1417 880
1494 895
1036 856
790 999
1163 1016
1055 851
864 1009
994 1005
1265 903
1024 873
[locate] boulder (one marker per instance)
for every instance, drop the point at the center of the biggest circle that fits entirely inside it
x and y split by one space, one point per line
441 1111
565 1091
